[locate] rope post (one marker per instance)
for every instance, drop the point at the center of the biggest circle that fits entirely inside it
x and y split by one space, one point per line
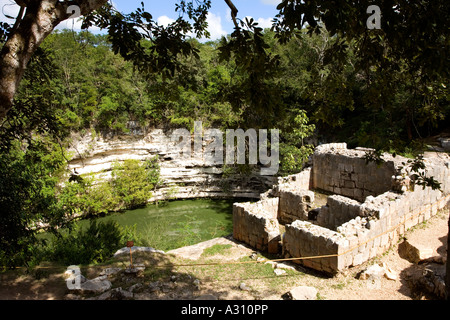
130 244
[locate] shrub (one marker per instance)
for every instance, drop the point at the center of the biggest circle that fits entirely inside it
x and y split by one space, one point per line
131 186
132 183
88 198
94 245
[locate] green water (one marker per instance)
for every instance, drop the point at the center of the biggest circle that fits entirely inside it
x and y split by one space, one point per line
176 223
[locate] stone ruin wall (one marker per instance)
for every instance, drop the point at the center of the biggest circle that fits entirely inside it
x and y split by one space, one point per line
345 172
257 224
355 225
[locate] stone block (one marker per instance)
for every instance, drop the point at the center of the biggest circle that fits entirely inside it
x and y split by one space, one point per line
414 252
349 184
373 252
358 259
343 261
274 244
311 263
348 192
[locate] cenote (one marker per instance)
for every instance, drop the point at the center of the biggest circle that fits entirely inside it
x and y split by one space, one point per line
178 223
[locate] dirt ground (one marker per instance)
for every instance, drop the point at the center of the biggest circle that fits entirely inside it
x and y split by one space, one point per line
346 286
227 282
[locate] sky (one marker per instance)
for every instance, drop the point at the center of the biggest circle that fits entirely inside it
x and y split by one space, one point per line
163 11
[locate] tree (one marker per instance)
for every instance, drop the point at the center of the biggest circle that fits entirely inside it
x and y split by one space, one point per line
347 68
447 269
411 31
294 152
132 182
414 38
410 47
35 21
28 184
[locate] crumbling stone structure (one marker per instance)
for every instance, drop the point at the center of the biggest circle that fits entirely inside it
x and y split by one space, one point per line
368 209
257 224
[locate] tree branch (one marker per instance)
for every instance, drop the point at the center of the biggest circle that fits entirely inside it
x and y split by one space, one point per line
36 20
18 19
234 12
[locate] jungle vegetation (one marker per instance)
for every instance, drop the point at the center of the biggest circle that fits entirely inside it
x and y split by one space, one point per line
320 78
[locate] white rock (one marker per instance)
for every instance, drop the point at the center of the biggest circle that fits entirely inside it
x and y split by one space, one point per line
244 287
97 285
136 249
110 271
303 293
279 272
391 275
374 272
285 266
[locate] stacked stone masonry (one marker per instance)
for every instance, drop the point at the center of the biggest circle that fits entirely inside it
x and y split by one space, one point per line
365 214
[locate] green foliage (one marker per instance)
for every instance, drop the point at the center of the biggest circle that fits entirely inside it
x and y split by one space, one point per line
334 78
249 80
152 48
252 89
153 170
216 249
418 167
357 68
28 184
131 183
88 198
415 168
131 186
94 245
294 153
411 31
293 158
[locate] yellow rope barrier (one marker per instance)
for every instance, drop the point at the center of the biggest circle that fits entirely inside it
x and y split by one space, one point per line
331 255
298 258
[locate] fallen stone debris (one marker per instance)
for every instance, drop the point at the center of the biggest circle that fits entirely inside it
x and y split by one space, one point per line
427 275
375 272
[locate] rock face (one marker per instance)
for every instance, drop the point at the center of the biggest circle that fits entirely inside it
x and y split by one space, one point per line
183 178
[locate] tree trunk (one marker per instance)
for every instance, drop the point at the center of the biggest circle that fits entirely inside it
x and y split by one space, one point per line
447 269
39 20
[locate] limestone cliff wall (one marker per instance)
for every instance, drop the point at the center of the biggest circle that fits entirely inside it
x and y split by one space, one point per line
94 153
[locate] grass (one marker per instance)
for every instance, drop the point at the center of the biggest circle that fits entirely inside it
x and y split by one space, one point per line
259 277
338 286
175 223
216 249
222 278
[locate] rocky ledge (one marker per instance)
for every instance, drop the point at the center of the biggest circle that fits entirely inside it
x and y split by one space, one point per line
93 153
